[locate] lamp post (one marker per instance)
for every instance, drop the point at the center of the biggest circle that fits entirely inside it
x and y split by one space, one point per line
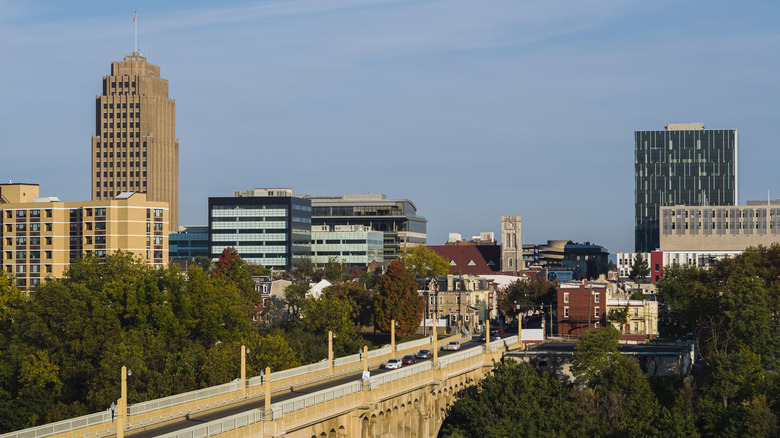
244 351
121 417
330 350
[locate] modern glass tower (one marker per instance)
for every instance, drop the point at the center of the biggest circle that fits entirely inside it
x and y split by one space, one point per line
134 148
682 165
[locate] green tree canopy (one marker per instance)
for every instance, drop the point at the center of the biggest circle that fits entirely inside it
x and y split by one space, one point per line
593 352
65 345
516 401
422 261
639 268
397 299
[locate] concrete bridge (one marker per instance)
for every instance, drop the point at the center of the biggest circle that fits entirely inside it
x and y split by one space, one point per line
332 398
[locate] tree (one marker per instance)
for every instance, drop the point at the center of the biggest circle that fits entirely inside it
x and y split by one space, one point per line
593 352
295 296
335 271
397 299
639 268
619 317
516 400
423 262
526 294
306 271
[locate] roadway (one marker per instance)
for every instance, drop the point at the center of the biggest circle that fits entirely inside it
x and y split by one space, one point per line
259 402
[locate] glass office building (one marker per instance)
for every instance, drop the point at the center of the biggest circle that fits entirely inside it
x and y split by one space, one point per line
682 165
355 245
190 242
397 219
266 226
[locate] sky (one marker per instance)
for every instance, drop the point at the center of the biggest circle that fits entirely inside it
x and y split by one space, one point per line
470 109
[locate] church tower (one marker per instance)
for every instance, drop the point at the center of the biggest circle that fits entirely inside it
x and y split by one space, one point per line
511 244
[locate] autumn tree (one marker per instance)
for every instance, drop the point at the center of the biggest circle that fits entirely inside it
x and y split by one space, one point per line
397 299
422 262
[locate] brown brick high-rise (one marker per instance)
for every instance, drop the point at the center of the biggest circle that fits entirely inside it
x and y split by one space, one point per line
135 147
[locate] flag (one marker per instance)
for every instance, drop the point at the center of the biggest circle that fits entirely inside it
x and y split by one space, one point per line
134 14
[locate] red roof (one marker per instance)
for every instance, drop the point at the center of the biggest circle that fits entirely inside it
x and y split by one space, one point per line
470 259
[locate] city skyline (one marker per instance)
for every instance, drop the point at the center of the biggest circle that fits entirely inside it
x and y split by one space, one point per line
470 110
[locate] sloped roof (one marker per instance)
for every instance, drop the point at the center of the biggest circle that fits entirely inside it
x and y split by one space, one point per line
470 259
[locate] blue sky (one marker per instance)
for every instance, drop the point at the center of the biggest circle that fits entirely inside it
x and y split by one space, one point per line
471 109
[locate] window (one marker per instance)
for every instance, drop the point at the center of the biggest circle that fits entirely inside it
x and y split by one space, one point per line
597 297
158 212
100 240
48 268
636 326
636 313
21 255
21 241
158 227
21 213
48 256
35 227
565 297
159 241
48 227
48 240
35 241
566 312
100 212
21 227
35 213
597 312
21 269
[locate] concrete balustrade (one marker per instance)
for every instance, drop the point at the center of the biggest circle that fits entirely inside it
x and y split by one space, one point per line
177 406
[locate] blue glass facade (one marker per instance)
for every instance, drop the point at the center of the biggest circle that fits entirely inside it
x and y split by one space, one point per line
189 243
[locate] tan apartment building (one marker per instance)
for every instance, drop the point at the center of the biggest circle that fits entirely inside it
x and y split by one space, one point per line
642 317
720 228
134 148
456 301
40 237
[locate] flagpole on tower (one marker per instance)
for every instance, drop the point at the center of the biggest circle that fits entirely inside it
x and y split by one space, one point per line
135 23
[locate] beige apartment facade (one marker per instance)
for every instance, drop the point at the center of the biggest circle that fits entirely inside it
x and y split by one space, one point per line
720 228
134 148
40 237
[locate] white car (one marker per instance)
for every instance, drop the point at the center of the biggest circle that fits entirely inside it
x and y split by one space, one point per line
455 346
393 364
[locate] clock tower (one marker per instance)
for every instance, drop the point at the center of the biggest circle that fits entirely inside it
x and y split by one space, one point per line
511 244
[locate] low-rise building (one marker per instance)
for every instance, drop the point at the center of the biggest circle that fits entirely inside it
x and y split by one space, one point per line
582 305
41 237
457 301
641 317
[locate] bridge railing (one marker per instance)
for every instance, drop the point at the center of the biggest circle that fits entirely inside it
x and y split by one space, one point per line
219 426
280 380
153 405
314 398
376 381
61 426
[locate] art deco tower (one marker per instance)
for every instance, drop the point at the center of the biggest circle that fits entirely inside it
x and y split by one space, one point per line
135 147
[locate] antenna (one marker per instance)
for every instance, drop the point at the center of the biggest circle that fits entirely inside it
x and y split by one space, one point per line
135 34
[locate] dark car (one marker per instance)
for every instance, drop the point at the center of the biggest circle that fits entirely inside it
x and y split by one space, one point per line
408 360
424 354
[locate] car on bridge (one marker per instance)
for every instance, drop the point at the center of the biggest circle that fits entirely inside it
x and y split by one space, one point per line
454 346
393 364
409 360
424 354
